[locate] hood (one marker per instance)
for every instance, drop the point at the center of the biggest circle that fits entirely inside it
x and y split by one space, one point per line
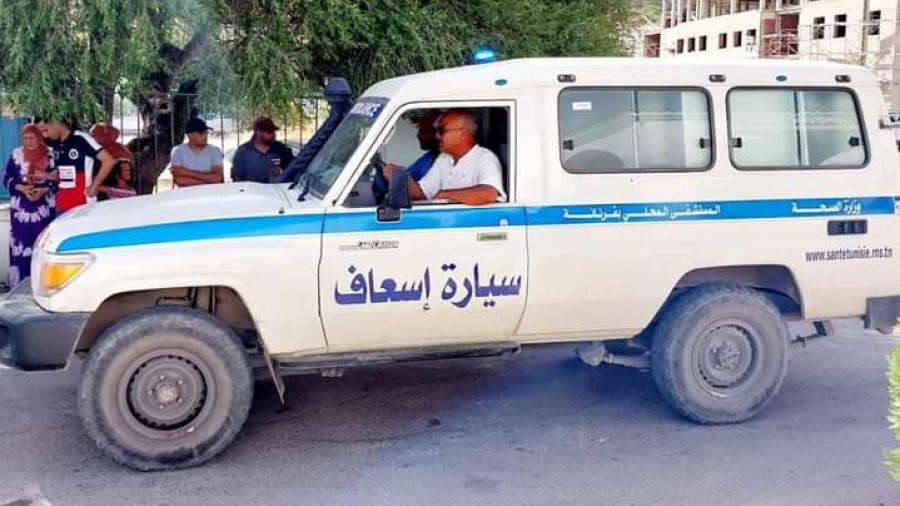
198 203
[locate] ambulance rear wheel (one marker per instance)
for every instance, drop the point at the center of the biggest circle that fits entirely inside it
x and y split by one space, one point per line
720 353
165 388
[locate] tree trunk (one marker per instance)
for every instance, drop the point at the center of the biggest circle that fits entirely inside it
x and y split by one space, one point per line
107 100
163 116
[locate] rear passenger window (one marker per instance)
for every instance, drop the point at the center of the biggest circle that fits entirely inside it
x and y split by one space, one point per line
795 129
633 130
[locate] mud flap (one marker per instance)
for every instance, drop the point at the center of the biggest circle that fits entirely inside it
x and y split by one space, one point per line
277 380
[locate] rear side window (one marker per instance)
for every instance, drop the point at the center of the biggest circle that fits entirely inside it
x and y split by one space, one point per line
634 130
795 129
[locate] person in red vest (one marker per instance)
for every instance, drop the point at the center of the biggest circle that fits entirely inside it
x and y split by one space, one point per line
76 155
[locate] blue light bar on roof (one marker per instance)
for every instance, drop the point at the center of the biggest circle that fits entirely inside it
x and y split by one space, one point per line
484 54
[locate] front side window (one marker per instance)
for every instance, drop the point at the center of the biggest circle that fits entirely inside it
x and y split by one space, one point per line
420 142
632 130
793 129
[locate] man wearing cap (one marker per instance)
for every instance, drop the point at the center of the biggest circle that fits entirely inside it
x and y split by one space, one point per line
262 159
196 162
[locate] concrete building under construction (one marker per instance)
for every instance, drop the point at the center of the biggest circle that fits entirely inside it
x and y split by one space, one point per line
850 31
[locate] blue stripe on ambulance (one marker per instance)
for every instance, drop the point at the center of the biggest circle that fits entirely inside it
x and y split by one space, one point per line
436 218
201 230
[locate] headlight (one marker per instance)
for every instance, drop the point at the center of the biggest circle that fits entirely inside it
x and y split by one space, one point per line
57 271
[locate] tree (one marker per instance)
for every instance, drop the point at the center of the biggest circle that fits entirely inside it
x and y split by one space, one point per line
68 58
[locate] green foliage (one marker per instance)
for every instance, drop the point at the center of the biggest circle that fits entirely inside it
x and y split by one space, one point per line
67 57
893 456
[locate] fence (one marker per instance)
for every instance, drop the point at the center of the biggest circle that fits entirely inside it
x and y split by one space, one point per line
10 133
229 130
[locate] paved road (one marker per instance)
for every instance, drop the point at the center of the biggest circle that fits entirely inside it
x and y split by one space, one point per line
538 428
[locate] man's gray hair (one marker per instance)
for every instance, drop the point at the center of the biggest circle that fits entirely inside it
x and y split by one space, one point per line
467 118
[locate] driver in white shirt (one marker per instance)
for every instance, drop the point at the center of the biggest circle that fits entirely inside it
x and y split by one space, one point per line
464 172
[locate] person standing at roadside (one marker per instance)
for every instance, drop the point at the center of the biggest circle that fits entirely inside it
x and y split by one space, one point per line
263 158
76 154
196 162
29 178
119 184
108 137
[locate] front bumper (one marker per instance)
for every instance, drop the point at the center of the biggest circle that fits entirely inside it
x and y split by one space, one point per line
32 339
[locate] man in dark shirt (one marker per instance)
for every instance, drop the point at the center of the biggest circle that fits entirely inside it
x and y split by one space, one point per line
263 158
76 156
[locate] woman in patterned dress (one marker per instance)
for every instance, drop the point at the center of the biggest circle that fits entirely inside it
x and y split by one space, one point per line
29 179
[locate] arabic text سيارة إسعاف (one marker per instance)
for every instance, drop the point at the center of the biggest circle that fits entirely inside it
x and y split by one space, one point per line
367 288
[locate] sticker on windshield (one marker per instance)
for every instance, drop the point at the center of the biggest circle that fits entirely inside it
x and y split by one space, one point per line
367 109
582 106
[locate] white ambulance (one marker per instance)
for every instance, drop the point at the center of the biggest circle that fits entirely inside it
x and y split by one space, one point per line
683 212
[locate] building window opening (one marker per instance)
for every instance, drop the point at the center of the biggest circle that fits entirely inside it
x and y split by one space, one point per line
818 31
874 23
840 26
738 40
703 43
723 40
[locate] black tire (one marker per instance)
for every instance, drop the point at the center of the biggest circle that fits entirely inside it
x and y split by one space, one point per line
165 388
720 353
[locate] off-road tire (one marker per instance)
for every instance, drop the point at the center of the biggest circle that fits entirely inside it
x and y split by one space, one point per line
705 340
139 374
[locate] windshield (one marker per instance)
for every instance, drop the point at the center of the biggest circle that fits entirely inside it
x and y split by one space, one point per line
331 159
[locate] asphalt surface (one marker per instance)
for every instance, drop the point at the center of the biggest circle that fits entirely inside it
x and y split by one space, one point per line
537 428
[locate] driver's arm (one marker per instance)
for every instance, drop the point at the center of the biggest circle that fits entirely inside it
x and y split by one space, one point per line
478 195
415 191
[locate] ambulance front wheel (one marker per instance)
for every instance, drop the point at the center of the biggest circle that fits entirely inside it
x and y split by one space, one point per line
719 353
165 388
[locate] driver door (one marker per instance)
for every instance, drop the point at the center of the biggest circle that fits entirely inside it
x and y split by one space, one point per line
444 274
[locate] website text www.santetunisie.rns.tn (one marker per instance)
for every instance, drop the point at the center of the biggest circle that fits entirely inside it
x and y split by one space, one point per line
844 254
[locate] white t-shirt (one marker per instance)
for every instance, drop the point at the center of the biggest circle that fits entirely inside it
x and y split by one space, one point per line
479 166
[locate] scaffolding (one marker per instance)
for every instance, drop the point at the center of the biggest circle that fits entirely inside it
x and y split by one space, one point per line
861 43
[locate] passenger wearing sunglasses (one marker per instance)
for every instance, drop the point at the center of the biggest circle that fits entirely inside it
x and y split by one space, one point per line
464 172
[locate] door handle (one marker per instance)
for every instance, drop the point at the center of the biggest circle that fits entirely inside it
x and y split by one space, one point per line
491 236
848 227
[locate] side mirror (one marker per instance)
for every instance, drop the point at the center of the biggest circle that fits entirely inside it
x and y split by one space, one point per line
398 193
397 197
